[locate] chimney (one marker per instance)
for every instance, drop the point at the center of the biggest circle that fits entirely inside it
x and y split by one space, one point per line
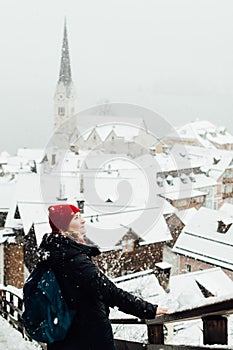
152 150
53 159
62 196
80 204
162 272
166 148
81 184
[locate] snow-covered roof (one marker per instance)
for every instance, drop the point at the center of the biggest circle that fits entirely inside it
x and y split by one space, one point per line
183 194
3 157
149 224
31 154
200 239
228 208
214 280
201 182
124 127
7 192
184 293
186 215
215 160
40 230
216 174
206 133
177 159
31 213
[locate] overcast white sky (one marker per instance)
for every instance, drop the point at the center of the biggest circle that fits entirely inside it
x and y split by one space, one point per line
175 56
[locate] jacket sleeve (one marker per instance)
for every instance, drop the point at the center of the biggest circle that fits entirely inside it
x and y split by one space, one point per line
97 285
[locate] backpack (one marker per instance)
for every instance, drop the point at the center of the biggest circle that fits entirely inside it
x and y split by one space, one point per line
46 316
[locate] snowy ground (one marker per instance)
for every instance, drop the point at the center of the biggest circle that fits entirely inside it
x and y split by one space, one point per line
11 339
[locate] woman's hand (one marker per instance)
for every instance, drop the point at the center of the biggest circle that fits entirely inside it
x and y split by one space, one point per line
161 311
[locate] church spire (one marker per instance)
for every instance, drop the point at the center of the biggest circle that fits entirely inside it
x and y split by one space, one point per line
65 70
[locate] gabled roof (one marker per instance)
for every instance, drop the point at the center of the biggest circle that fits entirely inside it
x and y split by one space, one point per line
124 127
31 154
7 193
186 215
184 194
206 133
199 239
184 289
107 230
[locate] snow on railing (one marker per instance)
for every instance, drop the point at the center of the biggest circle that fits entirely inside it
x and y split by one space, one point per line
11 308
212 314
215 325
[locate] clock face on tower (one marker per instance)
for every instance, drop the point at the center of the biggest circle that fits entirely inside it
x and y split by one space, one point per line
60 97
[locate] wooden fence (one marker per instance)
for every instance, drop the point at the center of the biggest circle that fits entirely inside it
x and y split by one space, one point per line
213 316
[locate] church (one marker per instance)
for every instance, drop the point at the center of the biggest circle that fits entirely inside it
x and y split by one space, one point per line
111 128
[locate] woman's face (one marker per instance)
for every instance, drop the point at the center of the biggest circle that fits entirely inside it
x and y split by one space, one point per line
76 228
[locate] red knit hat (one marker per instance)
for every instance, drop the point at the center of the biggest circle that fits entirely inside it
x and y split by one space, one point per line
60 216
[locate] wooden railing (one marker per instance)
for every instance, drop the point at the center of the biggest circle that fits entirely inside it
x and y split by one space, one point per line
227 195
214 320
11 308
213 316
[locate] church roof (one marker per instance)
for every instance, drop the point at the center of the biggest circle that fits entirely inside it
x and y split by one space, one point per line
65 69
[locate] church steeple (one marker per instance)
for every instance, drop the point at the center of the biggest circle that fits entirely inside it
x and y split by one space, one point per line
65 98
65 70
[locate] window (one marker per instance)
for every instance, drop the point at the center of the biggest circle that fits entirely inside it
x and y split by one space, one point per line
181 203
61 111
187 268
128 245
53 159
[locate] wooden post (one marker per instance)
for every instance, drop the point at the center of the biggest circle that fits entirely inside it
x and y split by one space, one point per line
155 334
214 330
19 313
3 304
11 303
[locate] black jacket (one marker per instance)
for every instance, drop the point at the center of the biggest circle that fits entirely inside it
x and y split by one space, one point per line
86 289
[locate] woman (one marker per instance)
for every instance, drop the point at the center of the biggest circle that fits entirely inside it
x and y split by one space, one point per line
84 287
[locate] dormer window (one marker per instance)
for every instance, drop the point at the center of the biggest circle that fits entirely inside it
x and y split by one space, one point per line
183 178
216 160
222 130
159 181
169 180
128 245
213 133
223 227
192 177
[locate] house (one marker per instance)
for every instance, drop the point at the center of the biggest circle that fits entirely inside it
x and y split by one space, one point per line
7 193
186 291
218 166
206 241
201 133
185 199
126 247
179 178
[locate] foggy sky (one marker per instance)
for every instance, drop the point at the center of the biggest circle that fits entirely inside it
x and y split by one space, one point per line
174 56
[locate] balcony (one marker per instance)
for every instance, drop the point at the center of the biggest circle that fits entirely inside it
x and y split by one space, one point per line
213 316
227 195
227 180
